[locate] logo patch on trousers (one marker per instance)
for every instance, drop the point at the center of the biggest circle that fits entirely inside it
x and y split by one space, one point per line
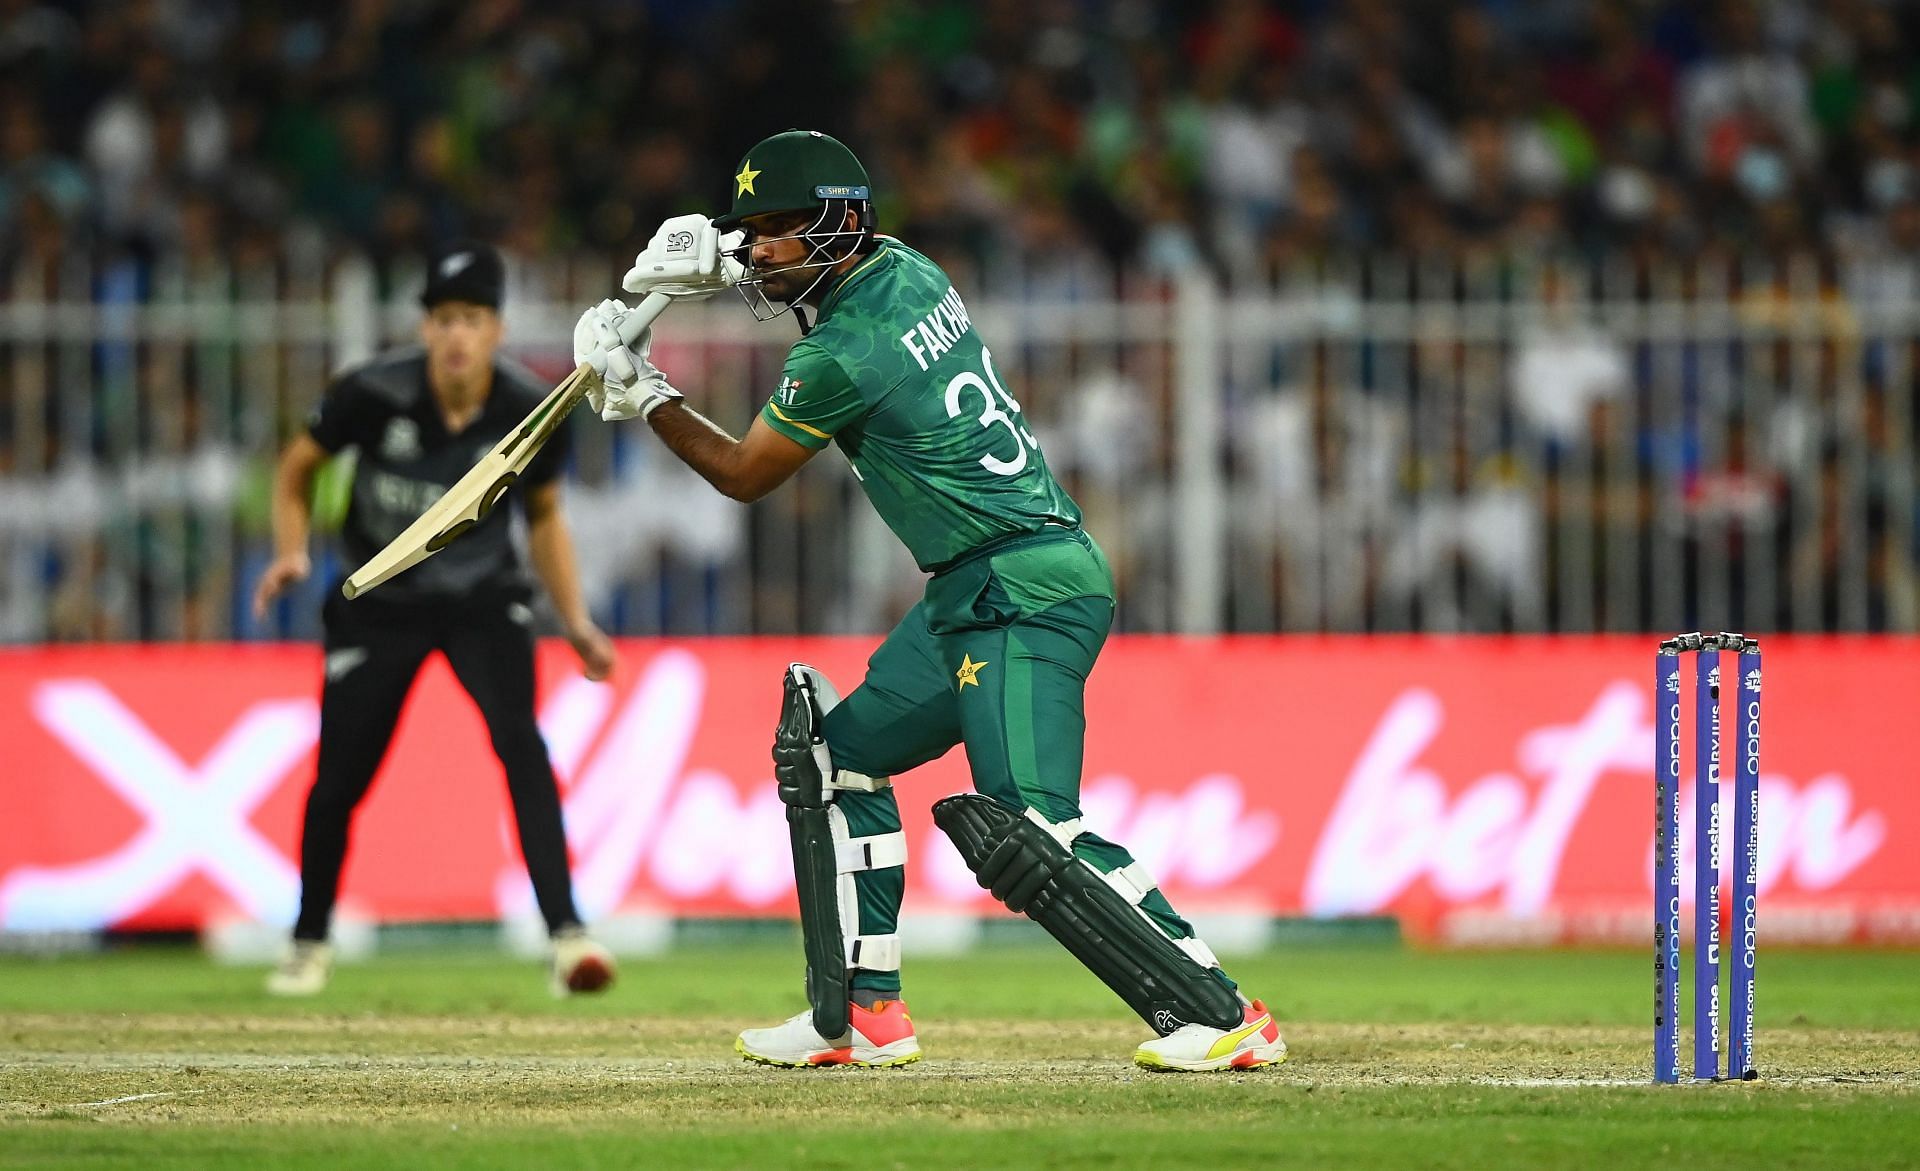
341 662
969 672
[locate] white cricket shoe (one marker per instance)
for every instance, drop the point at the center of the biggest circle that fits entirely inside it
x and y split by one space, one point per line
1198 1048
580 963
881 1035
303 971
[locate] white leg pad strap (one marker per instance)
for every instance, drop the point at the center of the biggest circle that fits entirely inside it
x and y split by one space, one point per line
1062 831
1131 881
873 953
871 853
1197 948
846 778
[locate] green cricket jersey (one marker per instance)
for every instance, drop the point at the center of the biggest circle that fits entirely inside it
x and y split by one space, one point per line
895 373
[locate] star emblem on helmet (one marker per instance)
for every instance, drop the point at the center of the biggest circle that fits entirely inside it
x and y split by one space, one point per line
744 180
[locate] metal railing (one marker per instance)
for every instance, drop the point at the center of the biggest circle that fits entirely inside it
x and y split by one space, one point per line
1381 444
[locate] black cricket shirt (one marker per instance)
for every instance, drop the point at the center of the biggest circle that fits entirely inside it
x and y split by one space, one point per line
408 459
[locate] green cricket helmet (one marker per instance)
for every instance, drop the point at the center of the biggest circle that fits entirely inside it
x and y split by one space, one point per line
804 171
796 170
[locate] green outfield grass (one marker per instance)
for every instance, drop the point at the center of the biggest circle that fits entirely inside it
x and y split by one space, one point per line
1399 1058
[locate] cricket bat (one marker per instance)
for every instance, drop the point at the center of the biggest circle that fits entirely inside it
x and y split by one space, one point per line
475 494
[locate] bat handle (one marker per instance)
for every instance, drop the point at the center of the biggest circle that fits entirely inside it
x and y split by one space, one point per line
642 316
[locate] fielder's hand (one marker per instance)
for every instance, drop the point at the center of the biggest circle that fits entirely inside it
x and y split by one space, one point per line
597 657
687 257
627 384
286 569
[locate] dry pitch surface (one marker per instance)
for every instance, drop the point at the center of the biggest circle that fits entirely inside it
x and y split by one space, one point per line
1523 1059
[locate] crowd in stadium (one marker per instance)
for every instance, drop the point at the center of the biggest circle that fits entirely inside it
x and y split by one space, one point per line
1166 135
1039 147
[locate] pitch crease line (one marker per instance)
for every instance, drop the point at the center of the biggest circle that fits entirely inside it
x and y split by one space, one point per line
141 1097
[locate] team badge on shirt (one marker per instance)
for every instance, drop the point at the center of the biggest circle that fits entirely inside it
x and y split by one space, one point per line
401 440
787 389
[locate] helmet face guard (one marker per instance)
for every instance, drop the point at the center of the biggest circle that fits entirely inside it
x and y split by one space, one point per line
826 247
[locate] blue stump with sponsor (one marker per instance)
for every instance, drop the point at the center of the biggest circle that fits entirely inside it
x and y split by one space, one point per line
1666 866
1744 724
1706 864
1746 865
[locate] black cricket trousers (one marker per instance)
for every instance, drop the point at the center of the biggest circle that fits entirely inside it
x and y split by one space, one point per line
374 649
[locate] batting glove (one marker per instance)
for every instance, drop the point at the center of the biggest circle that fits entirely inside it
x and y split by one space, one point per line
626 384
687 258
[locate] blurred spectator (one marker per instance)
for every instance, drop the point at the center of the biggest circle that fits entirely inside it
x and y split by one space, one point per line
33 34
1317 462
1563 367
29 168
1744 108
1253 138
147 140
1468 557
349 193
1611 72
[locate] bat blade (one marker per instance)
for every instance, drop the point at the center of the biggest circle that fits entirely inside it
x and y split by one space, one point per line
474 495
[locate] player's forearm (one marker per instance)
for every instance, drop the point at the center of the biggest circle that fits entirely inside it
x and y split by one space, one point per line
292 516
550 545
703 446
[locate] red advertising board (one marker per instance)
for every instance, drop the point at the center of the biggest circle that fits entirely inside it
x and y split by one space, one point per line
1483 790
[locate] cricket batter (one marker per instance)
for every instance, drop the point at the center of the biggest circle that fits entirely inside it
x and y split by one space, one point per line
891 369
420 417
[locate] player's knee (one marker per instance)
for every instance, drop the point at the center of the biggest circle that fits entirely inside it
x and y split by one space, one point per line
806 769
850 750
518 744
848 738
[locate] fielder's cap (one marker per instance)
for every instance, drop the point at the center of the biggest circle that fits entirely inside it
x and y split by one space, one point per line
794 171
465 270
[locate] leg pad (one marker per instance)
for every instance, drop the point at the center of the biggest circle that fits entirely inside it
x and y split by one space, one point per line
1026 868
816 873
825 856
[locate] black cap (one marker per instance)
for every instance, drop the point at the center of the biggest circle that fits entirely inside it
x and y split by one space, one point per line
465 270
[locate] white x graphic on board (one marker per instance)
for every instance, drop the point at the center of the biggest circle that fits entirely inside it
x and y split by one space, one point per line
196 816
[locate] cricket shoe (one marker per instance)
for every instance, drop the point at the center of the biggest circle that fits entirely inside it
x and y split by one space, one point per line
303 971
881 1035
1198 1048
580 963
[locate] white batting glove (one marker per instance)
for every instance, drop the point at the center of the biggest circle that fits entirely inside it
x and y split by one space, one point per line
687 258
586 340
626 384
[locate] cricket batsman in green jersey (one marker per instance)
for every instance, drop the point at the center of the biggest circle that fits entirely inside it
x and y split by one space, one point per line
995 657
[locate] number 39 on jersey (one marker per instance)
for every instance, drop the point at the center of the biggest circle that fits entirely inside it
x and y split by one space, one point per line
991 415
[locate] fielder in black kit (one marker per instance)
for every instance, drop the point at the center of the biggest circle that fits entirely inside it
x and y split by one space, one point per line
420 417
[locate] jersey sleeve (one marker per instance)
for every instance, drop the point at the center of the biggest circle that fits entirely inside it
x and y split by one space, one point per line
343 416
815 397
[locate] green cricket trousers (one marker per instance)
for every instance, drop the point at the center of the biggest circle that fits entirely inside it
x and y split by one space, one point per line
994 657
